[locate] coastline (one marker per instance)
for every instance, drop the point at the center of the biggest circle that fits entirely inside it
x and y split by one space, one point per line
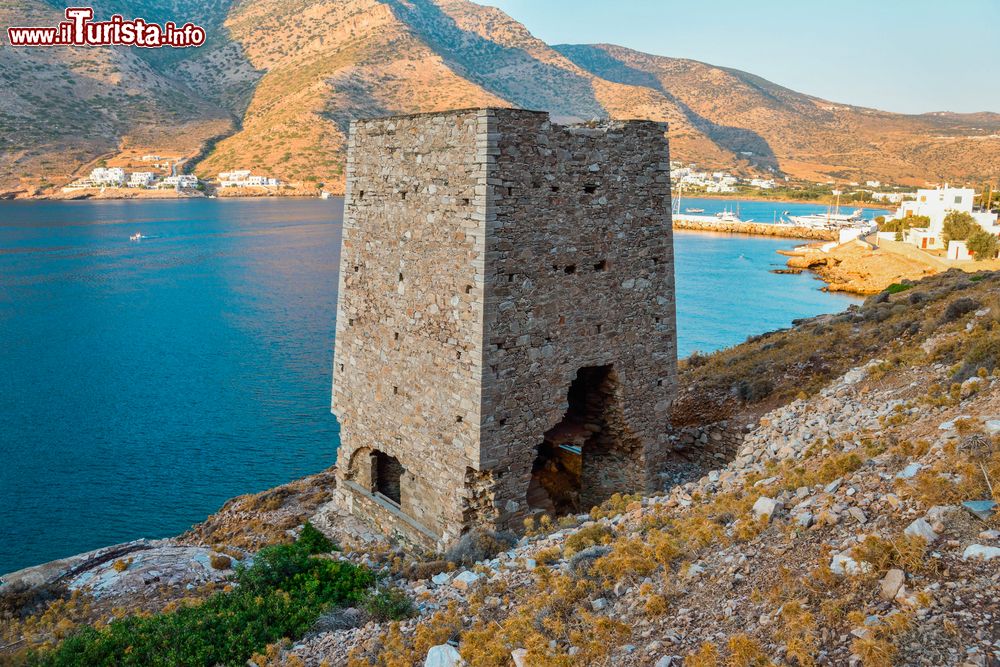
758 229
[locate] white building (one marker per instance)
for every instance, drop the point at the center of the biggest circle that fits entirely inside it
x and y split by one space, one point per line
113 177
893 197
141 179
243 178
936 205
762 183
180 182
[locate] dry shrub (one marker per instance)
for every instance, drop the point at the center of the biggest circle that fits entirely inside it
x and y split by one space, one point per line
478 545
745 651
221 562
902 551
707 655
588 536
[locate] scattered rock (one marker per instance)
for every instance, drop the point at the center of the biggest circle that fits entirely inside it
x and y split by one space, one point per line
444 655
980 552
465 580
920 528
766 507
891 583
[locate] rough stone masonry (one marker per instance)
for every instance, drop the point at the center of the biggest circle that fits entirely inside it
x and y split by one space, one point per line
506 339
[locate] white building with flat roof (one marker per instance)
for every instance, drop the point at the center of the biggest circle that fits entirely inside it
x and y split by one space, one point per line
936 204
243 178
141 179
180 182
111 177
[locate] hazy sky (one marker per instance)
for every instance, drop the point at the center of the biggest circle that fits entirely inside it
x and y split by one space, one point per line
908 56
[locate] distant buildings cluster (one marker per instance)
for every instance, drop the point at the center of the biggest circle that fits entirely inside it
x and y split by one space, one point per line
116 177
243 178
714 182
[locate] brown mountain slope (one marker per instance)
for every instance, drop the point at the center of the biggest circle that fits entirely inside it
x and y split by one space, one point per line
293 73
803 135
61 108
320 64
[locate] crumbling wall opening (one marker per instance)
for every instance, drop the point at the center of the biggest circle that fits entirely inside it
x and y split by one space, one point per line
589 455
387 477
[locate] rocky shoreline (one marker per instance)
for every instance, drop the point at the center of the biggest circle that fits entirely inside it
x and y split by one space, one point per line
757 229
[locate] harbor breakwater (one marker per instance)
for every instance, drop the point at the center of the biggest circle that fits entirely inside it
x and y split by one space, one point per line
757 229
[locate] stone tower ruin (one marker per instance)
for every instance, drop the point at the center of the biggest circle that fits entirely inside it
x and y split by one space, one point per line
506 339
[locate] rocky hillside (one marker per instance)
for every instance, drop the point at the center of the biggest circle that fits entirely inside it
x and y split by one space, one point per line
278 83
63 108
815 514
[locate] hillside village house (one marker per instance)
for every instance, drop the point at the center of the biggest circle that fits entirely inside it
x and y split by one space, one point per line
112 177
180 182
140 179
936 204
243 178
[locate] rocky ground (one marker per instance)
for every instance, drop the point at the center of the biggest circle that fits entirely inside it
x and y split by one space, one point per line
861 268
818 544
814 516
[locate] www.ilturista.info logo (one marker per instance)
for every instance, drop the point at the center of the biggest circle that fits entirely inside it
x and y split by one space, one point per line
79 30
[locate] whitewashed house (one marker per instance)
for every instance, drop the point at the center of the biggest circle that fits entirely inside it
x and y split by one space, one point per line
243 178
180 182
936 204
141 179
108 177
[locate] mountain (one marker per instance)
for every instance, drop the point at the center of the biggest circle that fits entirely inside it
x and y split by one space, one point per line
62 108
278 82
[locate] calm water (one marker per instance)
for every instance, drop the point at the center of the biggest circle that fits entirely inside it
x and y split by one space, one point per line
143 384
765 211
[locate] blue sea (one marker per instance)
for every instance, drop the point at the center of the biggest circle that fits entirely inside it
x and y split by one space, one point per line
144 384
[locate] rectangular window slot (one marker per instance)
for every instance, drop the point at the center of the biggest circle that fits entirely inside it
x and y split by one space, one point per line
458 419
465 201
400 277
458 354
402 195
571 269
590 189
395 391
342 368
468 289
659 383
601 265
600 328
395 336
510 192
555 188
350 323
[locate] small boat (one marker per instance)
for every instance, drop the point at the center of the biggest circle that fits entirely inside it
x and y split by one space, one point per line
136 237
324 195
694 210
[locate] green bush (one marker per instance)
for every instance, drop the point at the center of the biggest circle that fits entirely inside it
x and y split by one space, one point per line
390 604
958 226
279 596
896 288
314 541
983 245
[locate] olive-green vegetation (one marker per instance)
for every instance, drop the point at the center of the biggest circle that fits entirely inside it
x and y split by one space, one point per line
279 596
958 226
983 245
902 224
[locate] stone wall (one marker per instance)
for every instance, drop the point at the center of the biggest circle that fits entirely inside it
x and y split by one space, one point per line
488 256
